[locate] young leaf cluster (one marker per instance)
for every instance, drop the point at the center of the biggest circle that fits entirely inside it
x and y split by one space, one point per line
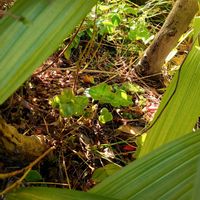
105 116
104 94
69 104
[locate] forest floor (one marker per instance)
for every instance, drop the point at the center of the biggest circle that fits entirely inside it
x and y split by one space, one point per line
84 144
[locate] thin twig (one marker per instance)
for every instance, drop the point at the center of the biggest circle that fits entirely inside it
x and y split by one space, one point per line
25 170
87 71
65 170
15 184
47 183
63 51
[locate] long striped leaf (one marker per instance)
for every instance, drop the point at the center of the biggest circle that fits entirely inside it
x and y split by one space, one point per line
166 173
196 191
44 193
182 111
30 32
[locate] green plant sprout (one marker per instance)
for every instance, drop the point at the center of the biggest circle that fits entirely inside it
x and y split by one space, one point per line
132 88
69 104
117 22
105 116
104 94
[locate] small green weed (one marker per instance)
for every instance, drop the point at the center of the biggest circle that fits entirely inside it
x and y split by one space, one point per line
104 94
118 22
105 116
69 104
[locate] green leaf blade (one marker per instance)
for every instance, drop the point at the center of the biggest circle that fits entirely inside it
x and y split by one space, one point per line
157 174
29 44
103 172
45 193
182 111
103 92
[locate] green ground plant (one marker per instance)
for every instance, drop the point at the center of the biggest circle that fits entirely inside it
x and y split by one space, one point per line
122 22
70 104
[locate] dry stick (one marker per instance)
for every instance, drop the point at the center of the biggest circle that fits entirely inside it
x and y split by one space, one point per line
63 51
108 44
174 91
10 174
86 51
93 55
80 59
87 64
93 36
65 170
26 169
105 72
145 84
15 184
47 183
88 71
145 77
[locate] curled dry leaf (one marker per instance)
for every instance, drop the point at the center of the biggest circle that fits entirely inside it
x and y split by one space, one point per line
130 129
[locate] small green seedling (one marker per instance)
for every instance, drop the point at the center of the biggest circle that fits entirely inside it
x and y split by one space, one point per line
104 94
69 105
105 116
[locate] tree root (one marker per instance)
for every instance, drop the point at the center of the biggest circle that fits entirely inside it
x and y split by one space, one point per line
15 147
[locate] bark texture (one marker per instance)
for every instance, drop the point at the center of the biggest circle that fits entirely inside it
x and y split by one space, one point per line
15 147
175 25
